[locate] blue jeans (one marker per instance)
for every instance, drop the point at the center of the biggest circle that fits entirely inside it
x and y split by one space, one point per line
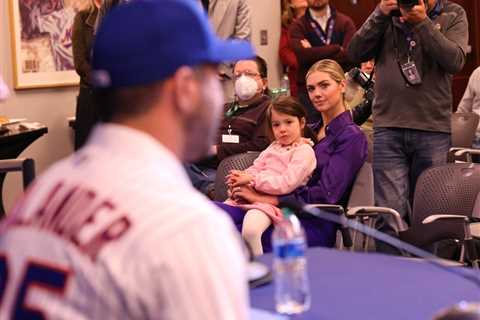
399 157
203 179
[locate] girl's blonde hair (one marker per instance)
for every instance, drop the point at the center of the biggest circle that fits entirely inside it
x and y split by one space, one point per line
331 67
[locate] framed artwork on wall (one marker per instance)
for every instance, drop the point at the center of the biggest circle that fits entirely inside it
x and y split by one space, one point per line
41 41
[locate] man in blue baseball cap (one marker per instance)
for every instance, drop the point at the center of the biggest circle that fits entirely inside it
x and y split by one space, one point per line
116 231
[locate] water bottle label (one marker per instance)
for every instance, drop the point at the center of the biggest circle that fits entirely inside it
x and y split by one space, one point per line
292 249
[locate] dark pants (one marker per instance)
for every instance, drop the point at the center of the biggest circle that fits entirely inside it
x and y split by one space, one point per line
86 116
318 232
399 157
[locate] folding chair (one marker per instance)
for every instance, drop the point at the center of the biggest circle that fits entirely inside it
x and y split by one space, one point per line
464 126
443 206
236 162
362 195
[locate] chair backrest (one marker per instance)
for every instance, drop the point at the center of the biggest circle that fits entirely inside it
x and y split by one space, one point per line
362 189
369 135
446 189
464 126
236 162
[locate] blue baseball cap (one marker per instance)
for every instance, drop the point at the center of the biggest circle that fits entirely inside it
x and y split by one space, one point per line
145 41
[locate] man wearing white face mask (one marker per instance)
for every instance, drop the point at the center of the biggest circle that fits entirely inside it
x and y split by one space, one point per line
243 127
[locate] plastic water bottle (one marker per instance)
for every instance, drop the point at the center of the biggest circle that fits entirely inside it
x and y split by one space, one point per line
292 293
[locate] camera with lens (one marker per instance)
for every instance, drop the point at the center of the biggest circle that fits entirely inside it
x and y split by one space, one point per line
407 4
361 78
364 81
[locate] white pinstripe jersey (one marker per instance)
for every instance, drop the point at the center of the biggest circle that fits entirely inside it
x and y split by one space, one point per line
116 232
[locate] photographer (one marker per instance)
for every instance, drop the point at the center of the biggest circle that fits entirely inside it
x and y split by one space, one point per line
416 54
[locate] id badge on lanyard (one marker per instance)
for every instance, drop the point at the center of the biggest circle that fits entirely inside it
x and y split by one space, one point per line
409 69
230 138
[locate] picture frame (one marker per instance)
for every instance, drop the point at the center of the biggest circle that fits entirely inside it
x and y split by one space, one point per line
41 42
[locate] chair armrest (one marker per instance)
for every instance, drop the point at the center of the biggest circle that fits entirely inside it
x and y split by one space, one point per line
328 207
462 151
435 217
455 149
468 152
371 211
346 237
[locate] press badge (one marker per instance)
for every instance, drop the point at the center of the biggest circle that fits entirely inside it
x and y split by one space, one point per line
230 138
410 72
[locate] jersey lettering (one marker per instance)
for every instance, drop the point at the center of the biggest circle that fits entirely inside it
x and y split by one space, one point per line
80 216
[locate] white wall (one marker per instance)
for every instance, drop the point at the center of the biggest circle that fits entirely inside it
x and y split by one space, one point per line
266 16
52 106
48 106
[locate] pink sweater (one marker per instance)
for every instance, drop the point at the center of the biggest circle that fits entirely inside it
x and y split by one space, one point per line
280 170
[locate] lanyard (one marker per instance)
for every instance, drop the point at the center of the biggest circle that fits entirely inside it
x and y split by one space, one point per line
231 111
325 38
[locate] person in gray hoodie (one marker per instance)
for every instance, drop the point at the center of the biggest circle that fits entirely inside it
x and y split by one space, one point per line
416 51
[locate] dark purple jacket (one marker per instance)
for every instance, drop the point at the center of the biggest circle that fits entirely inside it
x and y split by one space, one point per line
340 156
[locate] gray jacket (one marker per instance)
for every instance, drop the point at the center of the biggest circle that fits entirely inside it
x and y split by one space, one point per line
439 51
230 18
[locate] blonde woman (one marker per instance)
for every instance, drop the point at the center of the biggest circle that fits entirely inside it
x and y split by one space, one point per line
340 152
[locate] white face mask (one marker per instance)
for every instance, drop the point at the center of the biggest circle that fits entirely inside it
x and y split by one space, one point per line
245 87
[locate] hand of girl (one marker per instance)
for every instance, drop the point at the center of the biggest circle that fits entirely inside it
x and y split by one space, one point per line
238 178
242 179
231 177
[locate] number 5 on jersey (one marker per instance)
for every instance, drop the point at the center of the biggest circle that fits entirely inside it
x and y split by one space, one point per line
40 276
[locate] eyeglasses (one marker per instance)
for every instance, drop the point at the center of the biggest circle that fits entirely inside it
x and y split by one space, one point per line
247 73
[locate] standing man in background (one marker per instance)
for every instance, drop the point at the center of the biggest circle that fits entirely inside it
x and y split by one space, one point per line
231 19
416 56
322 33
136 241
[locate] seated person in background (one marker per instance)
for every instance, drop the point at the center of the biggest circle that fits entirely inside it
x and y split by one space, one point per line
244 125
341 151
471 102
283 167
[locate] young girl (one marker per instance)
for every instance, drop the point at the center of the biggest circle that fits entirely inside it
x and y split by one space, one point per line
284 166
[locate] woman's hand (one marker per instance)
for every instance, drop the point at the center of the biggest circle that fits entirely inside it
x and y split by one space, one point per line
250 195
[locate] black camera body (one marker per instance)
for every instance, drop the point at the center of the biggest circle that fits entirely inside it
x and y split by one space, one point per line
361 78
364 81
404 4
